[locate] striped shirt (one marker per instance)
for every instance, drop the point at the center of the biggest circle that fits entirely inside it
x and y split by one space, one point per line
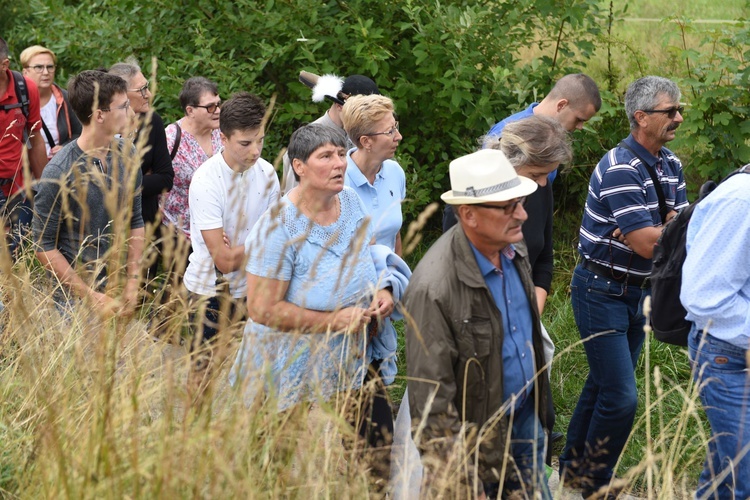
622 194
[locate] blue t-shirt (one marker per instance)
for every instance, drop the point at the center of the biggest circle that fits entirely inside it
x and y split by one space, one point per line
497 129
622 194
382 200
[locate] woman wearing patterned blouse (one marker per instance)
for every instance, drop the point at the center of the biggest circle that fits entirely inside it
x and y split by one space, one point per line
311 282
199 139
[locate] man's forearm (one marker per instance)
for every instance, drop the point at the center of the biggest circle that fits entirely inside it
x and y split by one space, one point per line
63 271
135 252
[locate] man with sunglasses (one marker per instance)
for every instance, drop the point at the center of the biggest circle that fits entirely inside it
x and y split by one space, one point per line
636 188
473 341
78 230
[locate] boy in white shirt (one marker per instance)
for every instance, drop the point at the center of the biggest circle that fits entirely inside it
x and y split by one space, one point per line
228 193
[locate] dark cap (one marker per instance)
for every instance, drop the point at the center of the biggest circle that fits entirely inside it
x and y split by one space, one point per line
359 85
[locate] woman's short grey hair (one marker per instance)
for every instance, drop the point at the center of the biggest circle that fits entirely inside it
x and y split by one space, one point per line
194 88
126 70
308 138
534 141
646 92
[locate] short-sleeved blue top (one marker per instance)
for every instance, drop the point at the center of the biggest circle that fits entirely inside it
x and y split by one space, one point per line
382 199
327 267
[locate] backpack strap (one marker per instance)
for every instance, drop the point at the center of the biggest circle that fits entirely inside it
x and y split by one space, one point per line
22 95
48 134
663 208
177 138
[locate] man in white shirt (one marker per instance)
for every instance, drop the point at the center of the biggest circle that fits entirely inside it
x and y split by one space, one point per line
228 193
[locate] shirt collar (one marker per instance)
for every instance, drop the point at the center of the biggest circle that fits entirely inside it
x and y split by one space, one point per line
642 152
485 266
353 171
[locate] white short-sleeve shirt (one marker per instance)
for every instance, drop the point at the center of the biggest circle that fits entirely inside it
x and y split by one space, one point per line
232 201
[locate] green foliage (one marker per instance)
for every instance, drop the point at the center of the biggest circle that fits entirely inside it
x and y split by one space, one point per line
717 121
453 68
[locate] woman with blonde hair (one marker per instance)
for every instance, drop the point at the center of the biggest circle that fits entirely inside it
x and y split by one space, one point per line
380 182
59 124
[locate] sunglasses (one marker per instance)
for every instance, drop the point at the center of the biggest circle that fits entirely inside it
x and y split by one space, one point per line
211 108
670 112
508 208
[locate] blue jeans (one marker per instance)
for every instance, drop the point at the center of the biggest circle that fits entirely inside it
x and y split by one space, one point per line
610 320
527 447
721 370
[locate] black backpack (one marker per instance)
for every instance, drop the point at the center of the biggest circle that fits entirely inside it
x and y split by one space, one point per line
22 94
667 313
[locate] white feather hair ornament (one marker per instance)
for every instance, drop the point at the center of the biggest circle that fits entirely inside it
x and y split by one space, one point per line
328 85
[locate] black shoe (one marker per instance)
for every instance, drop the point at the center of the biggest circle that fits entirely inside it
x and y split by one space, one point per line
555 437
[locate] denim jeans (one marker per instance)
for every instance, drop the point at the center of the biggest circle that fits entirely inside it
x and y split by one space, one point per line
721 370
528 449
610 320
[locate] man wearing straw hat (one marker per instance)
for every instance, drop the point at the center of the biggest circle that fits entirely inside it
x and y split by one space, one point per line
474 349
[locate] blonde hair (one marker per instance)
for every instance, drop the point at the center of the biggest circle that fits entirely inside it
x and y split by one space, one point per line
30 52
361 112
534 141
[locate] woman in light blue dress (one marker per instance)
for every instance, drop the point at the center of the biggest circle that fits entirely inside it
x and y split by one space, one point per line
312 284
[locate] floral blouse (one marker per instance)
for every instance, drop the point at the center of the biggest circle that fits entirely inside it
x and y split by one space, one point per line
189 157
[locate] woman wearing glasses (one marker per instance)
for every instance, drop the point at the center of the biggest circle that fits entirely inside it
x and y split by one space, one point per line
59 124
371 124
191 141
156 165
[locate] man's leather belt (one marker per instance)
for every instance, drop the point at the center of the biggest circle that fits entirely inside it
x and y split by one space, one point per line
608 273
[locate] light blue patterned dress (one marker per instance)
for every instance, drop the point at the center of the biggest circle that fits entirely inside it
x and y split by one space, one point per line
328 268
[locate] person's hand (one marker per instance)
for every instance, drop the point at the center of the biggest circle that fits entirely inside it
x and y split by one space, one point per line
105 306
350 319
383 304
53 151
227 243
621 238
130 297
671 215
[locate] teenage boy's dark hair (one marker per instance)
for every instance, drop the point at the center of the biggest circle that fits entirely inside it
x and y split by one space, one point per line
243 111
82 90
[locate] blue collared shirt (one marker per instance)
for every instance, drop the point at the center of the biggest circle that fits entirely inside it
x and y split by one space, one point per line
622 195
510 298
716 274
381 199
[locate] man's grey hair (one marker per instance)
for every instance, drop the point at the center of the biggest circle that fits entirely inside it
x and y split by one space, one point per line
308 138
646 92
126 70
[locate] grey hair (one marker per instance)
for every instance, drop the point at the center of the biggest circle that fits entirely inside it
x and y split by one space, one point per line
534 141
645 93
126 70
308 138
193 89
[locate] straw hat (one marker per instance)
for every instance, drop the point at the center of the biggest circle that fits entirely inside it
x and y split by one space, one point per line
485 176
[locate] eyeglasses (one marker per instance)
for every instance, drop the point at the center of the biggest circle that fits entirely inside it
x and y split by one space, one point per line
670 112
390 133
124 105
39 68
211 108
508 208
142 90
